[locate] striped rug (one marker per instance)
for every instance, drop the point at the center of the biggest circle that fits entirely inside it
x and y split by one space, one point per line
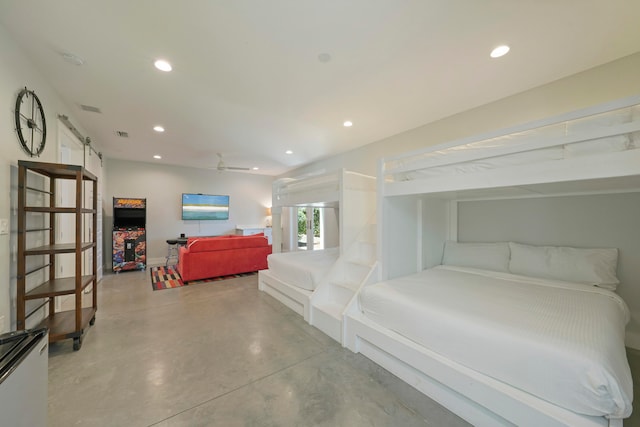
167 278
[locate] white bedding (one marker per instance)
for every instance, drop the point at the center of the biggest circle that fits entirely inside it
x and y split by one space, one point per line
304 269
560 341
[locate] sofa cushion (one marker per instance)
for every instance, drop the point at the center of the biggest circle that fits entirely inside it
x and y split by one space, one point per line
220 243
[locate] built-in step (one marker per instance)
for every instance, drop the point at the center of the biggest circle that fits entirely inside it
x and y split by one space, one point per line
368 234
332 297
328 318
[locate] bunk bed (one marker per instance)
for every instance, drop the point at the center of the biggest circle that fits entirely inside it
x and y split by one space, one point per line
441 325
293 277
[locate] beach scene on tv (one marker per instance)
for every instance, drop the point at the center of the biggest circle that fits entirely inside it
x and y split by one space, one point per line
204 207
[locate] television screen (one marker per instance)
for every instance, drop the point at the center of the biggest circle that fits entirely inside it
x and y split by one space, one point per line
204 206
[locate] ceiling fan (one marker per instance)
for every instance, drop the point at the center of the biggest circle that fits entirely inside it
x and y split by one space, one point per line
223 167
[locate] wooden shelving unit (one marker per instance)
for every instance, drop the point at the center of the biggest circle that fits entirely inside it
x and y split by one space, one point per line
62 324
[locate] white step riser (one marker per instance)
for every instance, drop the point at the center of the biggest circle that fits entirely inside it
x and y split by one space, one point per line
339 294
364 253
349 272
356 273
350 276
327 324
368 234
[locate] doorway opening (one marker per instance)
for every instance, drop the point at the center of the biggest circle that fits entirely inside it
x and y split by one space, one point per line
310 228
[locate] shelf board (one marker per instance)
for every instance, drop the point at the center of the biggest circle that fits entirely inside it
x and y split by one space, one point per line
30 230
37 190
56 209
56 170
60 248
57 287
37 269
62 325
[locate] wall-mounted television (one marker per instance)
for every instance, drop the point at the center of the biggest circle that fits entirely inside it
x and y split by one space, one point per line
204 207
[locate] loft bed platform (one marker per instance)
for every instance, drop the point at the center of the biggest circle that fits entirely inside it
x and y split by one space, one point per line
343 190
595 149
587 152
323 190
320 190
330 190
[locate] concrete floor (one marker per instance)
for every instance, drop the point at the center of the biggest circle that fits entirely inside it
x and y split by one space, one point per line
219 354
223 354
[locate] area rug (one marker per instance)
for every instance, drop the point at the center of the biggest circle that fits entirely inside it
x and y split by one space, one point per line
168 278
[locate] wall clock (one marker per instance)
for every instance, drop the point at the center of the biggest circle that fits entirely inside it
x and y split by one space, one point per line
30 122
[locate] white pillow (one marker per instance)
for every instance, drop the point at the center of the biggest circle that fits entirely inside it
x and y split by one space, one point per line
591 266
486 256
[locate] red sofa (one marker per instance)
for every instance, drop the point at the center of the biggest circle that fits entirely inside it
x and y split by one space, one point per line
205 257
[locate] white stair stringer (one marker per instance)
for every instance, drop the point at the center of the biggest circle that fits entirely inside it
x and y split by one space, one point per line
352 269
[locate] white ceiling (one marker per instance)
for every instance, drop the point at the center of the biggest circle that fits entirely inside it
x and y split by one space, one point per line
247 81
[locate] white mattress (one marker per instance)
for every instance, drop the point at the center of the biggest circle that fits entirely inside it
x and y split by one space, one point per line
559 341
303 269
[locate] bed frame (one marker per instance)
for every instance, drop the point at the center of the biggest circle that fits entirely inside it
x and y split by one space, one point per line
428 184
294 297
477 398
354 196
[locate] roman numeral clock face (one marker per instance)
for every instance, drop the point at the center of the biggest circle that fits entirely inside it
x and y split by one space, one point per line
31 126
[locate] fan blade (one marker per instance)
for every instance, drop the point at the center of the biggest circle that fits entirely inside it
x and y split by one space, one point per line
223 167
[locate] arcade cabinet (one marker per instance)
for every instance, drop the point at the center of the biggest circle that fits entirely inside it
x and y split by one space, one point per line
129 235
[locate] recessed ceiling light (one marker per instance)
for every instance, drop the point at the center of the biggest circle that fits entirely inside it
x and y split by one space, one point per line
163 65
500 51
158 128
347 124
324 57
157 156
288 152
72 58
255 168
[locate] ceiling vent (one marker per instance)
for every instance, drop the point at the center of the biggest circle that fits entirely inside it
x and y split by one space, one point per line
91 109
122 134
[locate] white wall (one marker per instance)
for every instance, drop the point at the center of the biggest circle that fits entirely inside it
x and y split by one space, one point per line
16 72
163 185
